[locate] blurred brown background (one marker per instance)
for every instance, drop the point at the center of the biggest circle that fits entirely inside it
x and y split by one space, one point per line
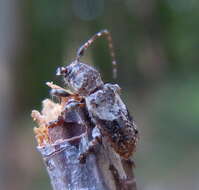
157 49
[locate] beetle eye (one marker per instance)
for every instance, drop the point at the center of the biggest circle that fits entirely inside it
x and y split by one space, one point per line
61 71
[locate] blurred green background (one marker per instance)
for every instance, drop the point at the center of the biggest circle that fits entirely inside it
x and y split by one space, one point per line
157 50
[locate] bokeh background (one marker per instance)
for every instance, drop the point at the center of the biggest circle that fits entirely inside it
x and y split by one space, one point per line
157 50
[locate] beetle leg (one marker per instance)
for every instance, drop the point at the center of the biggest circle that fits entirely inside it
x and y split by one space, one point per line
56 122
59 93
93 144
72 105
90 149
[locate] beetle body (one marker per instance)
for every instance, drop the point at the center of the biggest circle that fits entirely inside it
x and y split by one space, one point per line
105 107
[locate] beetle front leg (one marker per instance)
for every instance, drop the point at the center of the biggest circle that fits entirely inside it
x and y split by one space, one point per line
59 93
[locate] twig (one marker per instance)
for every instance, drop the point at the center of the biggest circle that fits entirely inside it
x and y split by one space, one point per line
64 136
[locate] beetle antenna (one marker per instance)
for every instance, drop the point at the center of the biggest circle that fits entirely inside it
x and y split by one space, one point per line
107 34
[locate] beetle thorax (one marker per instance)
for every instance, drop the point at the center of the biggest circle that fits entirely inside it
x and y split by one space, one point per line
82 78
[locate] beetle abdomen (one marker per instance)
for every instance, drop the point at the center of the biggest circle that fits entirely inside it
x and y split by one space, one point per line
112 117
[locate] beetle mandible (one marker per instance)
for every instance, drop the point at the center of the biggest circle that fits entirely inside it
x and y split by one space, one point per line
105 107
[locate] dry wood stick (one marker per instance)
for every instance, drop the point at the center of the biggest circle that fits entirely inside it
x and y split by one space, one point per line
64 135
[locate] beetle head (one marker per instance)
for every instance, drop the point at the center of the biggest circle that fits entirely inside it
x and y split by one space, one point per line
81 78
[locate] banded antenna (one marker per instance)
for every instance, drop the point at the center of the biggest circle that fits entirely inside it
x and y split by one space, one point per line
107 34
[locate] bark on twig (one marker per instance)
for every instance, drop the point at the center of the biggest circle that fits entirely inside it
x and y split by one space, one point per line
63 135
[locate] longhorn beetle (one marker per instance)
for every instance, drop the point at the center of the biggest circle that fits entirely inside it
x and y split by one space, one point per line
105 107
